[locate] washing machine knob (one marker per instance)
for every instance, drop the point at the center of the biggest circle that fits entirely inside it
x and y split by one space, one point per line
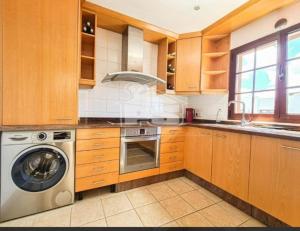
42 136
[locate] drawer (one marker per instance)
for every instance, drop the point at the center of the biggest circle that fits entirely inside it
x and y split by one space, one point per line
92 182
172 131
97 133
85 145
86 170
171 167
92 156
171 157
172 138
171 147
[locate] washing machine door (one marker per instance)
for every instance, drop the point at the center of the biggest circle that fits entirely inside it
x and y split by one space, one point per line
39 168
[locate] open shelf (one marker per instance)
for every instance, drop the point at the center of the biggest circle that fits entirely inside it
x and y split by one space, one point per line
215 63
87 75
215 54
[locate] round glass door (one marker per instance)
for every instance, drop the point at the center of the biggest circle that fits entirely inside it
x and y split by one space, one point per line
39 168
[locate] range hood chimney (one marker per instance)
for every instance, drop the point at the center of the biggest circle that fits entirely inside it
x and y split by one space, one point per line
132 60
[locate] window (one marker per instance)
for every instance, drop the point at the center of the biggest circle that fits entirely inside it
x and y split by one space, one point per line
265 75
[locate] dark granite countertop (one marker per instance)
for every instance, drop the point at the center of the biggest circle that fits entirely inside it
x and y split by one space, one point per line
119 123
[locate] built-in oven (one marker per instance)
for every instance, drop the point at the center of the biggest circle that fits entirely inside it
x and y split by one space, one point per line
139 149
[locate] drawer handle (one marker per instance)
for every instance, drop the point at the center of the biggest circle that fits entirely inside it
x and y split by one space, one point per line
98 169
99 156
290 148
221 136
172 158
98 182
64 118
173 148
98 145
99 134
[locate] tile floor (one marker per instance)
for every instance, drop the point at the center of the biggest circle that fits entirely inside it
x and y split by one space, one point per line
174 203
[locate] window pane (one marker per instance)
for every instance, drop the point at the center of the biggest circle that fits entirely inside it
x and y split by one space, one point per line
244 82
247 99
266 55
245 61
293 73
293 101
264 102
265 79
294 45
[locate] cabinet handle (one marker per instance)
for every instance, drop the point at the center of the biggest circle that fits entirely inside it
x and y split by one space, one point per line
99 156
99 134
98 182
98 169
290 148
98 145
221 136
173 148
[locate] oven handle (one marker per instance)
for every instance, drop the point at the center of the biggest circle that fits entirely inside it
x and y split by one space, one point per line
135 139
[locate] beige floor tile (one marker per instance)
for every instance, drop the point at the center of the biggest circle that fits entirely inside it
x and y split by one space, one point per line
140 197
161 191
234 211
210 195
99 223
177 207
91 194
127 219
197 200
116 204
252 223
194 220
189 182
153 215
86 211
220 216
171 224
179 186
55 218
21 222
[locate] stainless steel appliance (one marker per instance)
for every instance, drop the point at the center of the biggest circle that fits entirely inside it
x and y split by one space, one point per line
37 172
139 149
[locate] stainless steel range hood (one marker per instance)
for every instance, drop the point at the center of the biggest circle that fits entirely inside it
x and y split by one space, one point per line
132 60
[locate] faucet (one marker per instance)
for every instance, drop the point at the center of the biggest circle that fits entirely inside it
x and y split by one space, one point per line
244 122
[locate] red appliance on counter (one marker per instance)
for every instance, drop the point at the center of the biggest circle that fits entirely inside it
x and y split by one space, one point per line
189 115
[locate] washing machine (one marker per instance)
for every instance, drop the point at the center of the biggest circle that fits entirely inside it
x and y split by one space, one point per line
37 172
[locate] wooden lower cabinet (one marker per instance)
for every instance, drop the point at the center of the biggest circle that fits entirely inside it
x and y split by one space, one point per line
97 159
198 152
231 162
274 178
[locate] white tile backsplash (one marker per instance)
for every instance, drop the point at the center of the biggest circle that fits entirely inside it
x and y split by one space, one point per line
125 99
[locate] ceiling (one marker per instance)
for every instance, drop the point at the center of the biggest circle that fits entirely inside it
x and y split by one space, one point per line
174 15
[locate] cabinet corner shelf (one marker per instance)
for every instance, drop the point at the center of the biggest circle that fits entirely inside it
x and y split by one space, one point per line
215 72
214 91
215 54
85 57
87 35
170 74
87 82
215 37
171 57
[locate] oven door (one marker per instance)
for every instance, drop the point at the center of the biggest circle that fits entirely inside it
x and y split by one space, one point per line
139 153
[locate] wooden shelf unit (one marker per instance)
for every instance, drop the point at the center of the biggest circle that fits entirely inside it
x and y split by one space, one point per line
88 54
166 56
215 63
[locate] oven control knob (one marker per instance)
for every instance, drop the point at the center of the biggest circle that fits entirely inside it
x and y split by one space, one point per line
42 136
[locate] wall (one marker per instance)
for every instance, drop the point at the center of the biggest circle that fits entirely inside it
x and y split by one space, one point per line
124 99
265 26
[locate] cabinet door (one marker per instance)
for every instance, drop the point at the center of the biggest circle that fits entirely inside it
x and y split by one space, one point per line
231 161
40 50
274 178
188 67
198 152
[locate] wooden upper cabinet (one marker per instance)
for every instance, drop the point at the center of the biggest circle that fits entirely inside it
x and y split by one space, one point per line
41 63
188 67
198 152
274 178
231 161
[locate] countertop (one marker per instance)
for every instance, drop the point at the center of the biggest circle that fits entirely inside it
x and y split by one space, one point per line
284 134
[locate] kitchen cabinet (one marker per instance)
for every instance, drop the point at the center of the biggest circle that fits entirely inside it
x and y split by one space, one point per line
274 178
171 149
231 162
40 62
97 158
188 65
198 152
